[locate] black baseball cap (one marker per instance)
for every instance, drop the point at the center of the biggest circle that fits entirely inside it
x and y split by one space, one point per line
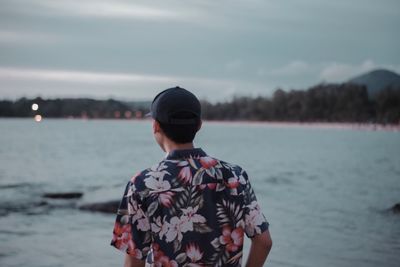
176 106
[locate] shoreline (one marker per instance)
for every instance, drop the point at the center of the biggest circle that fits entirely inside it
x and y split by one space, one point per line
323 125
320 125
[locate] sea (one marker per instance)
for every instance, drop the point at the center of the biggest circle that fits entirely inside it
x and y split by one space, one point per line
326 191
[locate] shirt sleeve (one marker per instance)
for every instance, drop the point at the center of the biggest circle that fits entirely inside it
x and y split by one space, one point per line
131 231
255 222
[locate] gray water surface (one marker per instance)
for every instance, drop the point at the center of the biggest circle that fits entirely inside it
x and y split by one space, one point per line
324 191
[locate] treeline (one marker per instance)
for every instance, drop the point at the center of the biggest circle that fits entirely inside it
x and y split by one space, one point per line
71 108
321 103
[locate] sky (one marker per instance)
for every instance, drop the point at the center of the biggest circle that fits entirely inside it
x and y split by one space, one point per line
130 50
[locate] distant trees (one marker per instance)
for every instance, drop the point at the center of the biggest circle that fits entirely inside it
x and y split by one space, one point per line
322 103
65 108
387 106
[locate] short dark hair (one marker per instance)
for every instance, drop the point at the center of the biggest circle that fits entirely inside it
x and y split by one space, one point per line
181 133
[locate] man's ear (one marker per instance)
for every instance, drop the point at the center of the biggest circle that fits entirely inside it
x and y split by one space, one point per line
156 127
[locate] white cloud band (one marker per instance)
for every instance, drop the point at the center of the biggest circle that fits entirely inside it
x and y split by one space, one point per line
23 81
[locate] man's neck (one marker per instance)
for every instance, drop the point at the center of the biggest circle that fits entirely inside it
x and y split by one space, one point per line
170 146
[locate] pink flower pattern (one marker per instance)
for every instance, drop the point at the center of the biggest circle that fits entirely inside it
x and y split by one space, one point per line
232 240
189 210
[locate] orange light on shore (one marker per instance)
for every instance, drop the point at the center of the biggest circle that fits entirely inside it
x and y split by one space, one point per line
35 106
117 114
138 114
38 118
128 114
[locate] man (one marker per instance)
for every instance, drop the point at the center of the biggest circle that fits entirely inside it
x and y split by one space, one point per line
190 209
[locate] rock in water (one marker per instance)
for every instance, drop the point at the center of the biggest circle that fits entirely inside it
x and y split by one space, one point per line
66 195
395 208
106 207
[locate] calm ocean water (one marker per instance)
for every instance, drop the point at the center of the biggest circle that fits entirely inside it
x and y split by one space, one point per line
324 191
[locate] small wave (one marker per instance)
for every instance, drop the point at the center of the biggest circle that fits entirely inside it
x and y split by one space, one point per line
35 207
278 180
17 185
17 233
284 263
94 188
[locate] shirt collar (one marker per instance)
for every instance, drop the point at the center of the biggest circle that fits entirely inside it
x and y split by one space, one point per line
185 153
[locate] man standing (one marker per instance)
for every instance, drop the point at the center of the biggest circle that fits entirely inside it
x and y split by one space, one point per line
190 209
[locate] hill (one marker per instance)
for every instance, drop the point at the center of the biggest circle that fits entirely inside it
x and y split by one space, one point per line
377 80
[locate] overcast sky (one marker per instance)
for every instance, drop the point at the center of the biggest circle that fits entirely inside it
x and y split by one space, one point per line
132 49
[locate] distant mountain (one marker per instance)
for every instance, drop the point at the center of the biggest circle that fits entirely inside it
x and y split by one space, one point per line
377 80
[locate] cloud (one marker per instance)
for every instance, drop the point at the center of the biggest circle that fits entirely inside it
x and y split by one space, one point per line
340 72
23 81
292 69
110 9
302 74
20 37
295 74
76 76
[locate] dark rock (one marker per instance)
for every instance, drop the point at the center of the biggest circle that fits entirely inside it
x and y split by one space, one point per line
67 195
395 208
106 207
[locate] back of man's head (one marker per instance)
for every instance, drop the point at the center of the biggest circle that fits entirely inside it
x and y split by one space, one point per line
178 112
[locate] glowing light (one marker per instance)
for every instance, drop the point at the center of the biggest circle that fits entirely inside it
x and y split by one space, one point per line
128 114
38 118
138 114
117 114
35 106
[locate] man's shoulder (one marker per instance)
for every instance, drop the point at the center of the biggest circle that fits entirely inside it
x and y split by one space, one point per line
229 169
167 167
156 170
230 165
235 168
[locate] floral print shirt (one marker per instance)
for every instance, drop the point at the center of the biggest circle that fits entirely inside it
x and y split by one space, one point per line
188 210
